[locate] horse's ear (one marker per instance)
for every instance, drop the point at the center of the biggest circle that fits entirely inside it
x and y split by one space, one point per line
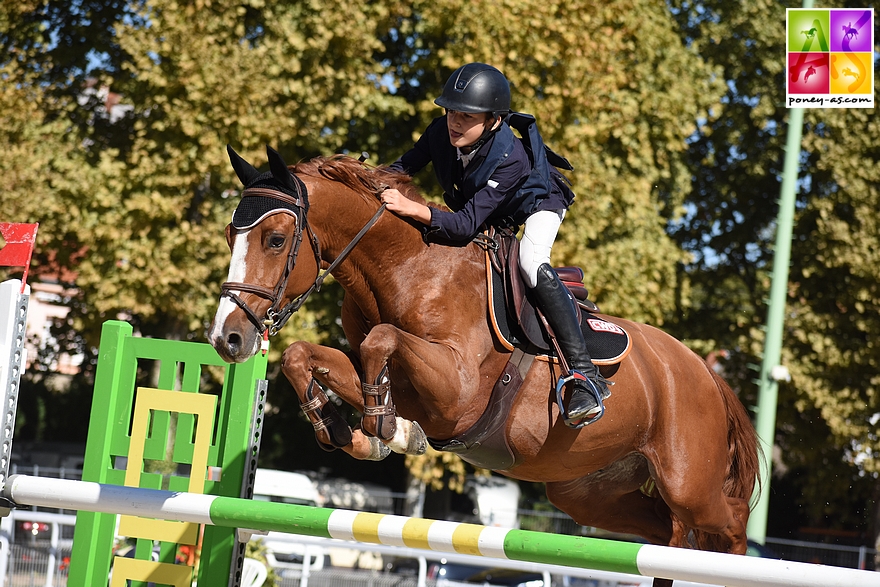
245 171
279 169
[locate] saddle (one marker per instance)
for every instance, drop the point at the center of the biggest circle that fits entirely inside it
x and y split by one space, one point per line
516 320
518 327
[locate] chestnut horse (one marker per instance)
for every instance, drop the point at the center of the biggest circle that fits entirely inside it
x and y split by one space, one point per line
418 312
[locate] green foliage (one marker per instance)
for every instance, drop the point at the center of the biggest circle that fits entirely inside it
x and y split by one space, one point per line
615 91
672 114
827 414
834 294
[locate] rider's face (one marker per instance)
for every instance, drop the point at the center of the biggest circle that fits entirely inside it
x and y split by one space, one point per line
466 128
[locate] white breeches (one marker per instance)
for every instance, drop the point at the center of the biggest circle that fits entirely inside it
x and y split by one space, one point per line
536 242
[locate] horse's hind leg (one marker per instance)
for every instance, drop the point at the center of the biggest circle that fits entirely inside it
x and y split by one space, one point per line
733 539
690 466
719 521
612 499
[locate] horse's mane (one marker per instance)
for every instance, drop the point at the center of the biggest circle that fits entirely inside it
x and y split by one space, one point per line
366 181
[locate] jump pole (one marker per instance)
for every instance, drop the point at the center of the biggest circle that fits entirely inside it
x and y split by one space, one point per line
521 545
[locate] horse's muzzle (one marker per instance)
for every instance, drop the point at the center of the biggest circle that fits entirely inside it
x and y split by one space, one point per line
233 345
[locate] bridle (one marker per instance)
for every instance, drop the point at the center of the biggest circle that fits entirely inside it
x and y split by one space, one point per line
277 316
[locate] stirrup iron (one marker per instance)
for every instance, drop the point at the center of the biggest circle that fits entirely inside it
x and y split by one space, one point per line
591 387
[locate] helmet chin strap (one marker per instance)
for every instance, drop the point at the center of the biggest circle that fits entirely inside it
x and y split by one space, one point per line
487 132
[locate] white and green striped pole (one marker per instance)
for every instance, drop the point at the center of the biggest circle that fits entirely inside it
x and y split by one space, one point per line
521 545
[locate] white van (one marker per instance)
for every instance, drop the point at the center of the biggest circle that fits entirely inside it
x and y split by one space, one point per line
283 552
489 501
496 500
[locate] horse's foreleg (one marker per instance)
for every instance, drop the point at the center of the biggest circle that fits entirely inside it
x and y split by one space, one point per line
380 419
419 368
303 364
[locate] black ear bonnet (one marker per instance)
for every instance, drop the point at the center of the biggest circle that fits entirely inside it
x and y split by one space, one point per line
254 207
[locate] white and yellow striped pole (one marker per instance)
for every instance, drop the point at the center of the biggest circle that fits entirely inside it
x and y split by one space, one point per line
521 545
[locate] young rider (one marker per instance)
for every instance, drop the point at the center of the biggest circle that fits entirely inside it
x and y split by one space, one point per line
487 178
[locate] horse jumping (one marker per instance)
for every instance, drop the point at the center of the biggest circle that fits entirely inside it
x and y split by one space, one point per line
426 359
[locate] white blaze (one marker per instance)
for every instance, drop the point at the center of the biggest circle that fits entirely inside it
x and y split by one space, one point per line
237 273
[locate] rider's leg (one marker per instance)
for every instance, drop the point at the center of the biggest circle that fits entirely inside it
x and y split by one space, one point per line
554 300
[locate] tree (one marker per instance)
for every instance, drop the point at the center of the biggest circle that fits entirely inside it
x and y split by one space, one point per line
736 160
834 296
197 77
616 91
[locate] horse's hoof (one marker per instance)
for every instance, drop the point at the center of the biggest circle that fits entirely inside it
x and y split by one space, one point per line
408 439
378 450
418 441
332 431
324 446
339 431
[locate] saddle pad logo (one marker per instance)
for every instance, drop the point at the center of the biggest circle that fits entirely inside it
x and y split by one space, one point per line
602 326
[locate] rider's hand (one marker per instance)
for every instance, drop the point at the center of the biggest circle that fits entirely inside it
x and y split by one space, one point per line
403 206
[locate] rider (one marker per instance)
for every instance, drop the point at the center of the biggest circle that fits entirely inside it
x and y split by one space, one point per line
482 167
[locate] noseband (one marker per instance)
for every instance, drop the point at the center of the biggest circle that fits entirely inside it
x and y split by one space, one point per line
277 316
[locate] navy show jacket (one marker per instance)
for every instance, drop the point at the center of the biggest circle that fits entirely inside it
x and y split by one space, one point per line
487 192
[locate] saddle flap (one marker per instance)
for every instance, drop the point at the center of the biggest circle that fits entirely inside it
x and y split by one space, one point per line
514 288
521 309
515 320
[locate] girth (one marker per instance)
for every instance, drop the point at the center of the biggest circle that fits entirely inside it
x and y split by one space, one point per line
485 443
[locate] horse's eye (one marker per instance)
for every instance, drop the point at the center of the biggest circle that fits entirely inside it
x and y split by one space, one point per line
276 241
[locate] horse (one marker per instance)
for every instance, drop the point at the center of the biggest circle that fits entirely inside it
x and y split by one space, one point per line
850 73
675 458
810 71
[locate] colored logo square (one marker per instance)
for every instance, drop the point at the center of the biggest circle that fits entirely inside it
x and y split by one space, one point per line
851 31
830 57
851 73
808 73
808 30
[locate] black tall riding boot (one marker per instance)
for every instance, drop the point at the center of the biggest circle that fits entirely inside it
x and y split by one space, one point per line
555 303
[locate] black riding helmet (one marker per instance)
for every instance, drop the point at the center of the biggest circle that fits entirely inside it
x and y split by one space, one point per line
475 88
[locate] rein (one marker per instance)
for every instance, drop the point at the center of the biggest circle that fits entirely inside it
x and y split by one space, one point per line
277 316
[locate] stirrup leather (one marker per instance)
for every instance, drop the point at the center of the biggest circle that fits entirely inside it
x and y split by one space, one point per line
591 387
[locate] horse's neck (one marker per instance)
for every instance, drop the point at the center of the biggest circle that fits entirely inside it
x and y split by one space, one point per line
391 262
372 265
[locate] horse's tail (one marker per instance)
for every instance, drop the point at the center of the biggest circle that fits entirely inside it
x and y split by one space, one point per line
744 456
